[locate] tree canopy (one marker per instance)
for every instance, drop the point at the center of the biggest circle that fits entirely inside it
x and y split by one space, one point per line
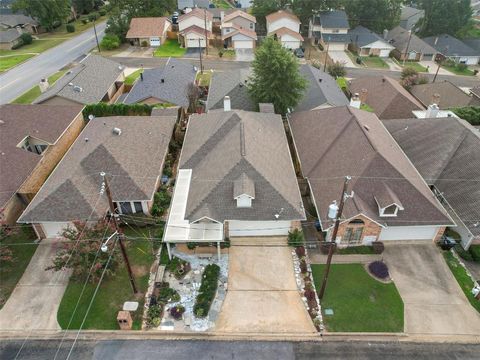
276 77
49 13
444 16
376 15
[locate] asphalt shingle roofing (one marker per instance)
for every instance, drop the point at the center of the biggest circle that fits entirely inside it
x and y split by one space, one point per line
167 84
147 27
398 37
133 161
363 36
450 95
446 152
13 20
334 19
221 147
340 141
86 83
450 46
9 35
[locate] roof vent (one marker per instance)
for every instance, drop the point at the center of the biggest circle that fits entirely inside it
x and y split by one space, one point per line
68 72
366 127
117 131
162 80
2 122
319 80
120 67
86 139
70 84
77 88
240 84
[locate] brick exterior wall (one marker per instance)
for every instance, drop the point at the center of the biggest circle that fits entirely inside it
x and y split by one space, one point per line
297 224
370 228
439 234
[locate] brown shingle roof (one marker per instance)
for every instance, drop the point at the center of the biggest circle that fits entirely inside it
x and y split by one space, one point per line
281 14
195 29
386 96
450 95
246 32
43 122
336 142
286 31
240 13
146 27
200 13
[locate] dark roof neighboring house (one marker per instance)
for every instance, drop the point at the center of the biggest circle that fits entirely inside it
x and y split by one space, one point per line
132 160
447 45
17 122
14 20
223 147
232 83
333 19
9 35
328 38
167 84
473 43
399 36
446 152
445 94
322 90
86 83
147 27
410 16
361 36
335 142
387 98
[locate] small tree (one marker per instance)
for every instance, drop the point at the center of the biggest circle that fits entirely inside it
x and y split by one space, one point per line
337 70
407 72
193 94
26 38
70 28
296 238
110 42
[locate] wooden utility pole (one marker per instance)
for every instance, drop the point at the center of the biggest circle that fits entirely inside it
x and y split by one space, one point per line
119 235
199 45
334 237
436 72
206 31
326 58
408 45
96 37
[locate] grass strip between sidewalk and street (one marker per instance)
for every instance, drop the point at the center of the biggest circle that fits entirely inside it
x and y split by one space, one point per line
7 62
29 96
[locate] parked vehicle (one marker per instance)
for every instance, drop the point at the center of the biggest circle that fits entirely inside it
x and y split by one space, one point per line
446 242
299 53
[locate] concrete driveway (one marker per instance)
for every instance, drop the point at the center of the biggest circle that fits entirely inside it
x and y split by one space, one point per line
434 302
341 57
34 303
262 295
244 54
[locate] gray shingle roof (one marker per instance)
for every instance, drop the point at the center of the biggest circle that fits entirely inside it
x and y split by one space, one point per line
340 141
473 43
94 75
13 20
398 37
450 95
176 76
221 147
133 162
230 83
322 90
446 152
334 19
408 12
363 36
9 35
450 46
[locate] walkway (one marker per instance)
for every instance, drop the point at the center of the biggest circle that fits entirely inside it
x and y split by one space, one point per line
316 257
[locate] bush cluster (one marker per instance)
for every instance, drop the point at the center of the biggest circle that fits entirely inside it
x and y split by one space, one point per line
110 42
70 28
226 244
475 251
336 70
207 290
154 315
166 294
103 109
161 201
178 267
469 113
102 12
379 269
378 247
177 311
300 251
24 39
92 17
464 254
296 238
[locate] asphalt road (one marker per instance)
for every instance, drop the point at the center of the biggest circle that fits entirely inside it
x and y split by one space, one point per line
16 81
240 350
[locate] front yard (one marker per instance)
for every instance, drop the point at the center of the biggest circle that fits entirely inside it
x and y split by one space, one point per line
416 66
170 48
374 62
360 303
29 96
9 61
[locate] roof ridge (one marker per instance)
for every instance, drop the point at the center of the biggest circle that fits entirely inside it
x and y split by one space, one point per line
462 138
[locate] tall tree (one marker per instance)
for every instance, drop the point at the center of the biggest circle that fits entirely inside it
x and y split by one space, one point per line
377 15
444 16
83 6
261 8
304 9
276 77
50 13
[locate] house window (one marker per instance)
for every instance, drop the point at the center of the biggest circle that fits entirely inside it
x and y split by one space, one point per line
390 210
33 145
126 207
227 30
40 149
357 221
251 26
352 235
138 207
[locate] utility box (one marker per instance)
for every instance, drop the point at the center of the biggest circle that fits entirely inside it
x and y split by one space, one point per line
124 320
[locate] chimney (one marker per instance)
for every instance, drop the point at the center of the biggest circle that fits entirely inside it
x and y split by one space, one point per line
355 101
432 111
385 34
436 40
222 15
43 85
436 98
227 105
363 95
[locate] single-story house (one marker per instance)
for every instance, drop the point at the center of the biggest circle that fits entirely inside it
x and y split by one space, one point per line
192 30
235 179
33 139
446 152
151 31
10 38
454 49
330 27
391 201
473 43
285 26
409 46
387 98
410 16
322 90
95 79
365 42
167 84
130 150
24 22
443 93
231 83
238 30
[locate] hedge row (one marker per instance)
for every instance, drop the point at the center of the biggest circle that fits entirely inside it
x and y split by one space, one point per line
103 109
207 290
469 113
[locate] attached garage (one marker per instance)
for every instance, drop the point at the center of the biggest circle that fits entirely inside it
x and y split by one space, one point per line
259 228
193 41
384 53
394 233
155 41
241 41
336 46
55 229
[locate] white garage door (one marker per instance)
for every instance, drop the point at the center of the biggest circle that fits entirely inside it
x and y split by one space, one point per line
154 41
336 47
408 233
291 44
259 228
194 43
54 229
243 44
384 52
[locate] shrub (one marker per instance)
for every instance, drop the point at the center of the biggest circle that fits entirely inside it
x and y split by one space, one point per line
154 315
309 294
303 266
167 171
192 245
161 201
337 70
70 28
18 45
475 251
167 294
407 72
178 267
144 43
102 12
84 21
103 109
461 67
26 38
378 247
300 251
464 254
360 249
92 17
177 311
226 244
379 269
296 238
422 80
207 290
110 42
469 113
220 53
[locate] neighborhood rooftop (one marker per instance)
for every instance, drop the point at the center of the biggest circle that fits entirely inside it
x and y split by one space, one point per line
443 93
450 46
147 27
333 19
400 38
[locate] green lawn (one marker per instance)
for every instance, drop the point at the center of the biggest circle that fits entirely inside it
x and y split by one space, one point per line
222 4
170 48
374 62
342 83
455 70
366 107
29 96
415 65
463 279
10 273
7 62
204 79
130 79
114 290
360 303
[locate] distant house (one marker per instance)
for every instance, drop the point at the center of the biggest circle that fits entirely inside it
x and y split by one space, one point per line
445 94
446 152
33 139
164 85
151 31
183 4
218 14
322 90
387 98
285 26
408 46
95 79
10 38
454 49
245 4
366 43
410 16
194 28
130 150
391 201
473 43
24 22
330 27
231 83
238 30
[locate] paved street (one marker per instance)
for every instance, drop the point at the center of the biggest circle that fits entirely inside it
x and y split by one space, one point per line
16 81
240 350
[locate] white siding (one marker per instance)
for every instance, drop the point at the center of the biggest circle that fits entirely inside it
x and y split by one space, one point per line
408 233
259 228
285 22
385 53
336 46
54 229
193 20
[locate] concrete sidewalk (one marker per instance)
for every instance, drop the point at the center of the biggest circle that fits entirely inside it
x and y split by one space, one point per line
316 257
